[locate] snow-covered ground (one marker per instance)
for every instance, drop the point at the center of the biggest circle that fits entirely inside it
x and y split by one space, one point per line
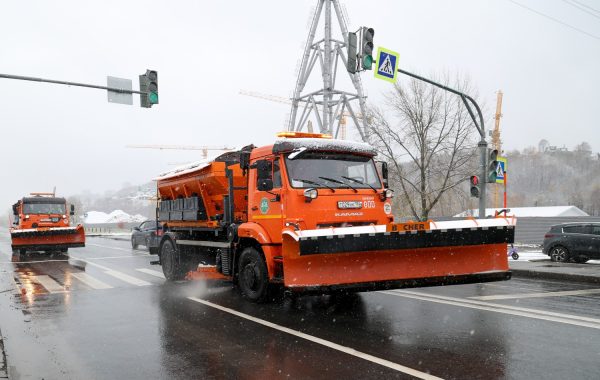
530 254
117 216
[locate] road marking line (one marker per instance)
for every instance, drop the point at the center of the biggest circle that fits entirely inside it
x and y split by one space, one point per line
498 308
90 281
118 248
117 257
49 283
538 295
127 278
323 342
499 305
32 262
151 272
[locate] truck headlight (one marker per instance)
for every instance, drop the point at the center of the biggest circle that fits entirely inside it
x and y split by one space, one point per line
387 194
310 194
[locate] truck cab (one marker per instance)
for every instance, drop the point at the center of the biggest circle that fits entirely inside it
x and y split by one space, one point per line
41 211
329 185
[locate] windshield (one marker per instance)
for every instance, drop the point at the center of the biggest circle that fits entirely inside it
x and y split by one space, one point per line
332 170
43 208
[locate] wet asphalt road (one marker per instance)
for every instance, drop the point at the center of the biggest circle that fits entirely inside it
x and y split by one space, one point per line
104 312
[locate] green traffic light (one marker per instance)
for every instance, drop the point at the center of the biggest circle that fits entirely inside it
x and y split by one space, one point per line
367 62
153 98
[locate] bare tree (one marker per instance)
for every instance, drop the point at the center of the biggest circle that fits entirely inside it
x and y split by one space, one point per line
429 144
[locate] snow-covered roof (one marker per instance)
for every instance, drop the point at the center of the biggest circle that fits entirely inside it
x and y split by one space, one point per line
289 144
184 169
197 165
545 211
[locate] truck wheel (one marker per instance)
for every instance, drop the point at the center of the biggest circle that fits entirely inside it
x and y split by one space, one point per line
169 260
134 244
253 276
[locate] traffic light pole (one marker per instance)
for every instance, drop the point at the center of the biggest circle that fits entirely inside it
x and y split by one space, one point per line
482 145
33 79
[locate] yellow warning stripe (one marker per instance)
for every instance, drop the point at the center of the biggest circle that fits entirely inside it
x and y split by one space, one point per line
278 216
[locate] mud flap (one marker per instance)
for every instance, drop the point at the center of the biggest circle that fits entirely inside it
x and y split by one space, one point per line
48 238
396 259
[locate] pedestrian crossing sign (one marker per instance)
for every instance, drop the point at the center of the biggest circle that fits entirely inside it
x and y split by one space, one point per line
387 65
501 169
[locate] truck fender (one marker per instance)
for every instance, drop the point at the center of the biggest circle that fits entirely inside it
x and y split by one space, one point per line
254 232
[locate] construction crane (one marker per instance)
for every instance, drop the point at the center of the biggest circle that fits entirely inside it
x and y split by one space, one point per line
279 99
204 149
496 141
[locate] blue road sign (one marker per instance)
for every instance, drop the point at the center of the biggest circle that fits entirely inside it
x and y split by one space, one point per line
500 170
387 65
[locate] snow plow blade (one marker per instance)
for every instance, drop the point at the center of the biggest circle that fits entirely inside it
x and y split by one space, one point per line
52 238
370 258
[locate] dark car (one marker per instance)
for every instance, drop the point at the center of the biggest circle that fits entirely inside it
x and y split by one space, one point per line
147 234
577 242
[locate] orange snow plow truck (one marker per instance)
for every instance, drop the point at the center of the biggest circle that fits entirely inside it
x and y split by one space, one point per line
41 223
313 214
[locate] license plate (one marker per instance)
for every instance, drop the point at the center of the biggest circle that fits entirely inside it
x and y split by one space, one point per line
344 205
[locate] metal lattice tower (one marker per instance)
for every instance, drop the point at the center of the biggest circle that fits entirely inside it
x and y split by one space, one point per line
327 105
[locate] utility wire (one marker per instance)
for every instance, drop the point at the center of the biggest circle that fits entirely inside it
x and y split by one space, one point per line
586 6
555 20
574 4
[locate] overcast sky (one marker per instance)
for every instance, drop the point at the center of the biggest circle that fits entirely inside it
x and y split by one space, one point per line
206 52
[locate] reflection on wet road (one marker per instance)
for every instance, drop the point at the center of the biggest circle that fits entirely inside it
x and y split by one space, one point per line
104 312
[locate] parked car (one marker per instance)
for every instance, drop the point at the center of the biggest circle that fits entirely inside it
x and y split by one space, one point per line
147 234
577 242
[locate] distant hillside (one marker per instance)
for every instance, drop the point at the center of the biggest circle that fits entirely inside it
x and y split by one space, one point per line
133 200
554 178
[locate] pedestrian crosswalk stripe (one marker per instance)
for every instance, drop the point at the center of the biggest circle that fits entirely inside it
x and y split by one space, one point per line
127 278
90 281
151 272
49 283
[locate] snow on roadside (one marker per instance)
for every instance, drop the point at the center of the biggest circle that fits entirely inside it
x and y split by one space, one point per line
117 216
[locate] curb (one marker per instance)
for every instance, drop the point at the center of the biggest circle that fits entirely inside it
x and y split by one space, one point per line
555 276
3 366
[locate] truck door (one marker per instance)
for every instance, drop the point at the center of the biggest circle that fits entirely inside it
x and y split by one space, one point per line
265 202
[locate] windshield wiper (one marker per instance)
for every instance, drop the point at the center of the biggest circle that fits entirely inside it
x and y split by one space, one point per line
314 183
361 182
340 182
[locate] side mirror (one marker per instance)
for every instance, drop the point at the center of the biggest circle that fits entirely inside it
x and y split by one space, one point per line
244 160
72 210
384 172
264 175
136 229
15 210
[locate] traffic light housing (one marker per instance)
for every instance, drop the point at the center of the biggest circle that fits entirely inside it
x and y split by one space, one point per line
492 166
149 87
352 53
474 180
366 48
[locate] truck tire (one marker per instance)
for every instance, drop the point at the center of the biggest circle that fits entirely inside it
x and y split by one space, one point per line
253 276
171 263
